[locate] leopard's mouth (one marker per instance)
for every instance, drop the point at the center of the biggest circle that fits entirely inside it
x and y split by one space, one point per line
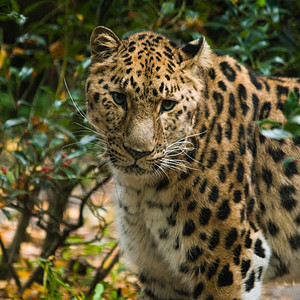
135 169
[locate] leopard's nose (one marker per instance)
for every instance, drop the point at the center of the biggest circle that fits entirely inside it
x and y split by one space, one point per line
137 154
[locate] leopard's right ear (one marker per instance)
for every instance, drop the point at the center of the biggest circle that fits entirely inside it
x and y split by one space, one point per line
104 43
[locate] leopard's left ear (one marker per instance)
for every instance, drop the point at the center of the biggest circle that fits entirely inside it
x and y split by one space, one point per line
195 52
104 43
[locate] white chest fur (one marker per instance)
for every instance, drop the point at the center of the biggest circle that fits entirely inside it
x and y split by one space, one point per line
141 211
141 218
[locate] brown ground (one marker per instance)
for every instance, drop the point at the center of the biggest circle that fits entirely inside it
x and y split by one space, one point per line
279 292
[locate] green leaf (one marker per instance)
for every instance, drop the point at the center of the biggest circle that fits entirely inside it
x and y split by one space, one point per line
295 119
6 213
98 292
14 122
3 177
276 134
74 239
38 40
69 173
10 177
36 5
23 103
25 73
86 63
248 22
55 143
76 154
293 125
76 168
268 122
15 5
291 104
244 34
16 193
40 140
167 7
18 18
57 103
49 91
65 131
4 3
279 60
191 14
21 157
264 28
5 100
288 160
87 139
258 46
261 3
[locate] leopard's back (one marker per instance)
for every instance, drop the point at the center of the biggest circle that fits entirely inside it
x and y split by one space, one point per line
278 186
205 208
274 205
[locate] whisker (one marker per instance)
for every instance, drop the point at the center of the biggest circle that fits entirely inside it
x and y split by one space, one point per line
180 147
183 164
180 143
161 169
98 131
196 134
172 166
175 160
79 110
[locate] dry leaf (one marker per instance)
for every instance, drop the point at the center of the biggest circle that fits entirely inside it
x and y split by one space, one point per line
57 49
3 56
35 120
42 127
79 57
63 95
18 51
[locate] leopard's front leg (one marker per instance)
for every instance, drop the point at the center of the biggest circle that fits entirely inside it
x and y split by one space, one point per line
232 267
231 271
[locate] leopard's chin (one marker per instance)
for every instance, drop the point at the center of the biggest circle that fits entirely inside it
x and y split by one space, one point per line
136 175
137 170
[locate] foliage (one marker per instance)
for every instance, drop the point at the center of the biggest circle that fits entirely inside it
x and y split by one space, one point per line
44 138
262 35
291 128
55 288
51 282
47 153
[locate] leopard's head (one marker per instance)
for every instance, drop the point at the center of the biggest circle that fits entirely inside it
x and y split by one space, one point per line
143 95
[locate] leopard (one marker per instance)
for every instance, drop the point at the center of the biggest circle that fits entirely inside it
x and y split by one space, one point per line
205 207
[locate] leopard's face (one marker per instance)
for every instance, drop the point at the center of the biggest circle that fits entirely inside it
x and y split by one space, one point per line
143 99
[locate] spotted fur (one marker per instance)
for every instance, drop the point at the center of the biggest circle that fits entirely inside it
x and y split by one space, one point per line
205 209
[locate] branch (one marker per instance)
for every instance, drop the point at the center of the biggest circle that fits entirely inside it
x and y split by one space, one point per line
95 188
10 265
58 242
103 272
62 236
72 227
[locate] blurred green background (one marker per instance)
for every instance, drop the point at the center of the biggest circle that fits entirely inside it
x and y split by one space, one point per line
48 154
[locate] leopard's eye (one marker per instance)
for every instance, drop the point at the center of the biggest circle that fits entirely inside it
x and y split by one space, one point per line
168 105
120 99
